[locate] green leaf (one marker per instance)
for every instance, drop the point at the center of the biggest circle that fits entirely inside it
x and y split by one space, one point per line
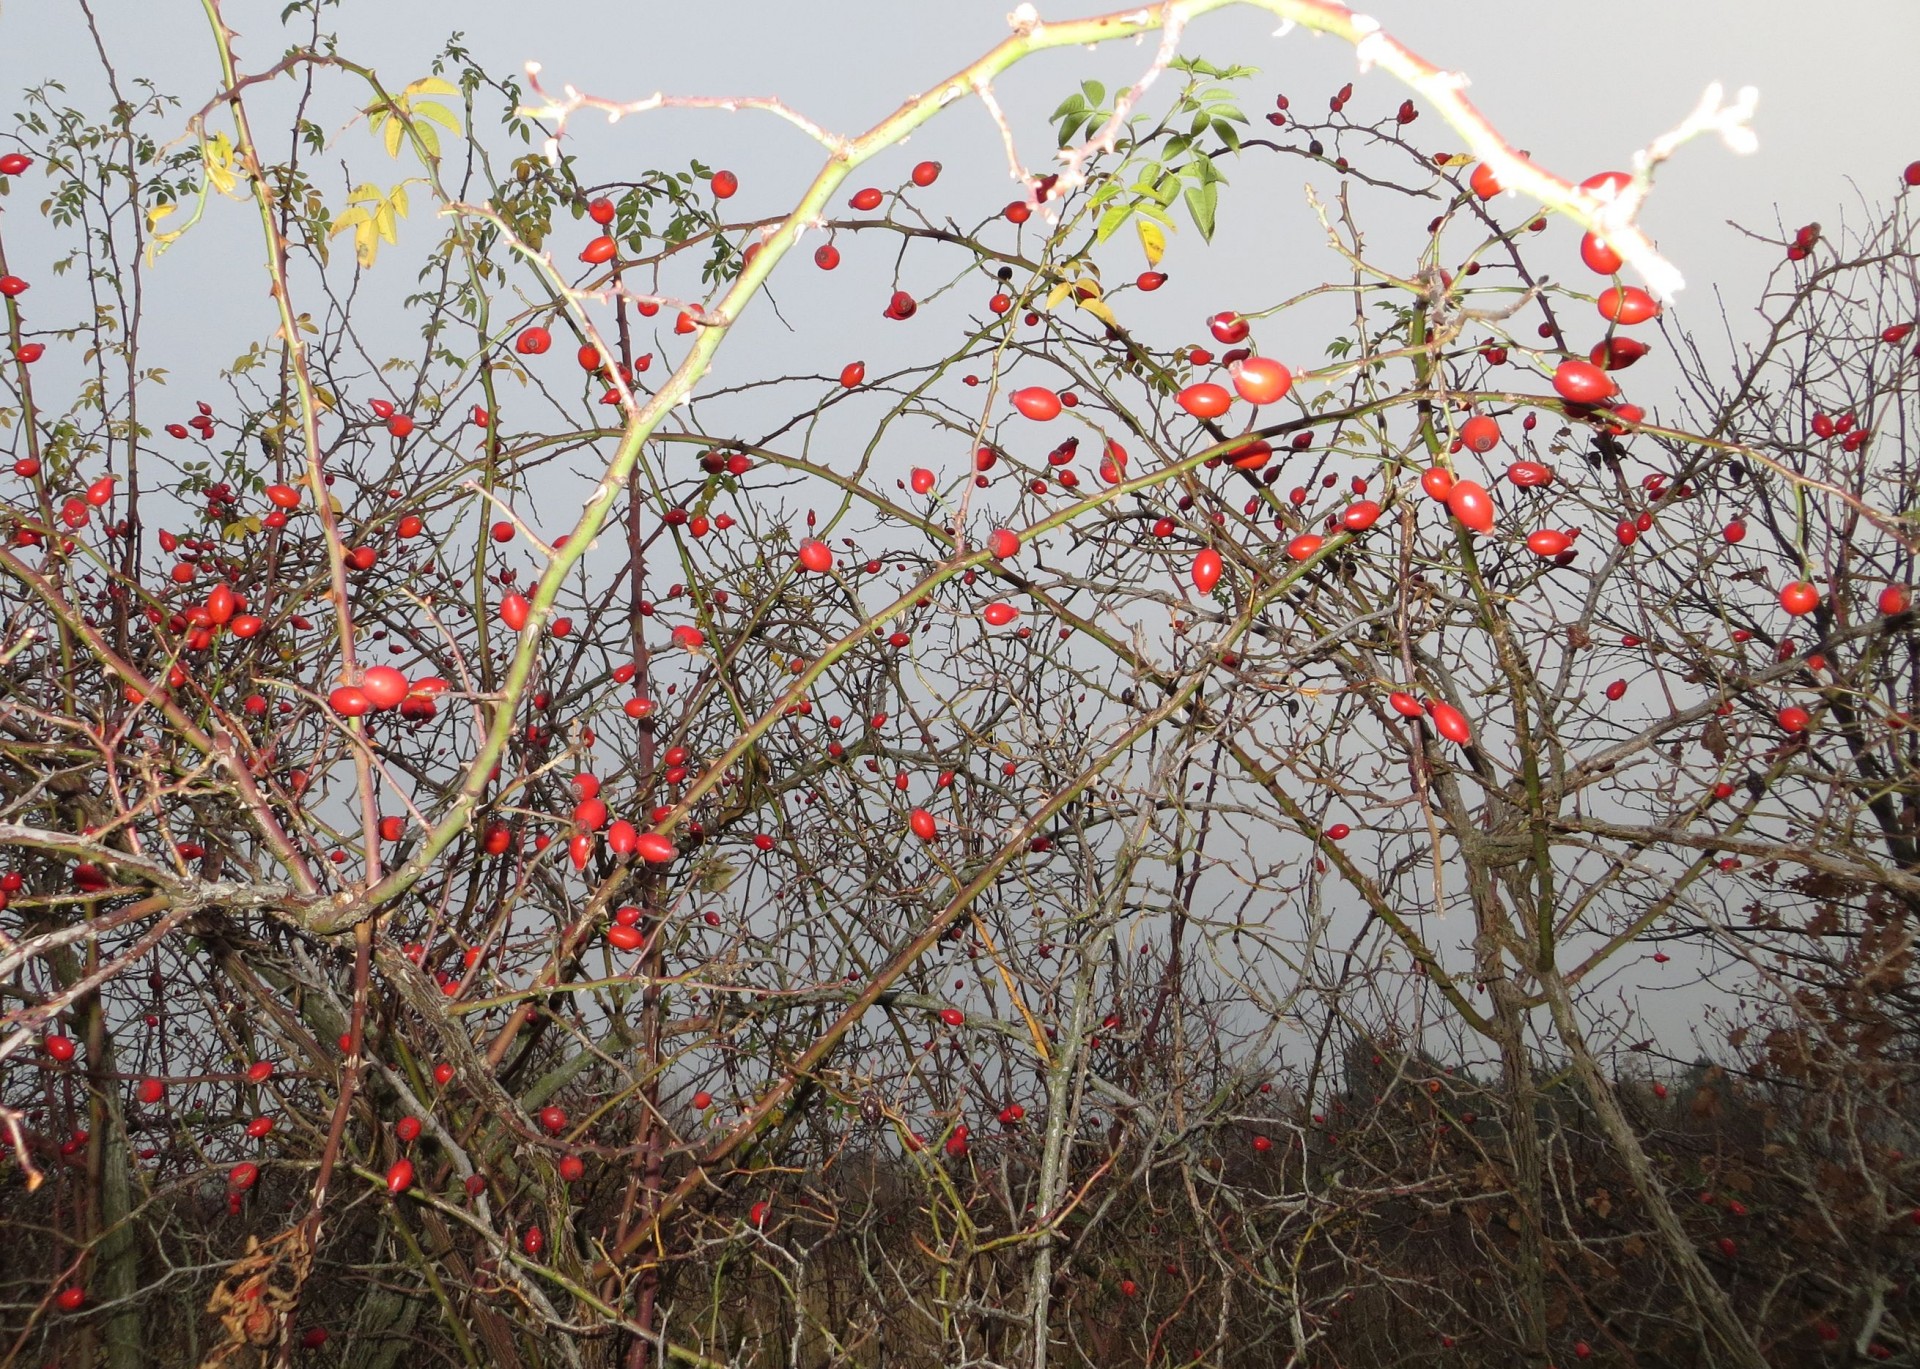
1203 202
1095 92
1110 221
1072 113
1150 176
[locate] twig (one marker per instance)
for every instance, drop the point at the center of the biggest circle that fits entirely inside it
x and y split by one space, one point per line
572 101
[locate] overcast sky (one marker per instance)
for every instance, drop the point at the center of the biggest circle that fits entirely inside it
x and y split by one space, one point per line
1580 86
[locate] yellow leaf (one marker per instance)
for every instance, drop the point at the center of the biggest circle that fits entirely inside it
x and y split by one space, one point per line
372 217
246 527
218 156
432 85
440 114
1153 240
394 134
1058 293
1098 308
159 212
159 243
1453 159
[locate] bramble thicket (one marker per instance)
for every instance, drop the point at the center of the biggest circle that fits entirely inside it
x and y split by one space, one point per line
1334 825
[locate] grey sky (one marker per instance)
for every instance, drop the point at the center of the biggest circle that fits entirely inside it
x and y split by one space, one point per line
1581 88
1580 92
